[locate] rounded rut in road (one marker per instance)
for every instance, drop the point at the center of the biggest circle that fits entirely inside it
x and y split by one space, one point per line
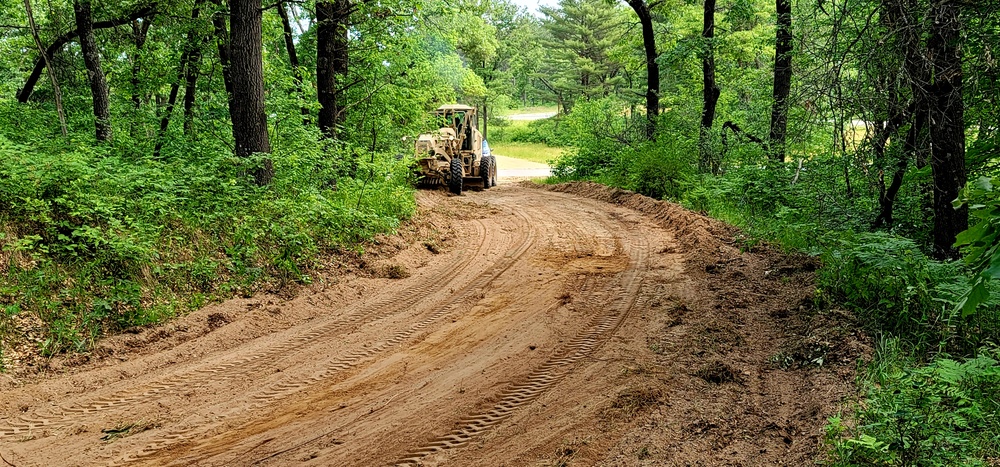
510 347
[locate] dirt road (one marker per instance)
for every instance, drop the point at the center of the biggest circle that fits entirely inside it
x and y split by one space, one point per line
514 326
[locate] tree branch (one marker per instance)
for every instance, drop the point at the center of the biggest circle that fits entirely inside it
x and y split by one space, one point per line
29 84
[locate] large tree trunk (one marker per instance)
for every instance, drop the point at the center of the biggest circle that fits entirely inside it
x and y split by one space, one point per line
192 67
40 63
782 79
947 127
92 60
331 62
249 118
293 58
652 68
706 159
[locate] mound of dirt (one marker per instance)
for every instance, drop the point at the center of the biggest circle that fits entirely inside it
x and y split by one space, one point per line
751 368
693 230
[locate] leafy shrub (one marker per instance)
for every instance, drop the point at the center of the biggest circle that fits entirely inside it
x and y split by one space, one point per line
97 239
944 413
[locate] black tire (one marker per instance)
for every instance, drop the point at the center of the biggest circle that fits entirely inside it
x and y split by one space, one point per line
486 171
455 174
493 171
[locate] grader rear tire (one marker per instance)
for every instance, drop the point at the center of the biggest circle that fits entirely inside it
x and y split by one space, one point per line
455 174
486 171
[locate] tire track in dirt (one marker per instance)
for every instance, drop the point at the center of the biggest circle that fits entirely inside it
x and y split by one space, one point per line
41 423
520 394
444 307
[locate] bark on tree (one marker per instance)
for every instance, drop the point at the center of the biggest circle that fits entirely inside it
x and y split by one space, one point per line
191 67
222 41
248 116
331 62
782 79
57 92
139 34
293 58
36 72
187 72
95 75
706 160
947 126
652 68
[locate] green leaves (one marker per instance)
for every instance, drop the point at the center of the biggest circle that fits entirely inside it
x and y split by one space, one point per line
980 241
944 413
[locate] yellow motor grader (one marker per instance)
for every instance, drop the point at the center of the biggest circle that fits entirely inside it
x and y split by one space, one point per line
453 154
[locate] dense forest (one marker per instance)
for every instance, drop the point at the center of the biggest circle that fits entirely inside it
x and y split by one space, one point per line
159 155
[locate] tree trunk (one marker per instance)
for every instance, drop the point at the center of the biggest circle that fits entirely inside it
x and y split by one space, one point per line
293 59
92 60
947 127
139 34
331 62
171 101
782 79
652 68
249 118
57 92
192 67
222 41
706 160
40 63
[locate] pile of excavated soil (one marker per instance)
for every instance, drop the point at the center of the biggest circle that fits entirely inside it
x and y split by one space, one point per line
746 370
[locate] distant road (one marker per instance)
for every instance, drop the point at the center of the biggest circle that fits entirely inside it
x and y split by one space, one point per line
510 169
536 116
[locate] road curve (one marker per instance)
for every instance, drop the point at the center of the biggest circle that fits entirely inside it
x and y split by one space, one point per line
488 333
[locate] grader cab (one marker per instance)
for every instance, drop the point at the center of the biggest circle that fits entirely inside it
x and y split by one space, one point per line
453 154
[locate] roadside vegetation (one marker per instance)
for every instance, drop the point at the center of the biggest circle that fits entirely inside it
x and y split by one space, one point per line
847 157
156 156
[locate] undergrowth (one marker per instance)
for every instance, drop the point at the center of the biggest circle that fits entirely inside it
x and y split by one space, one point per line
97 239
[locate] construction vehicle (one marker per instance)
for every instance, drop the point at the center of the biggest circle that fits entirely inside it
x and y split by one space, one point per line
453 154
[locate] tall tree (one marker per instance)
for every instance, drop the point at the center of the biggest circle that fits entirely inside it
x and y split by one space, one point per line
710 89
652 68
582 34
947 125
331 62
248 116
293 57
95 75
782 79
57 44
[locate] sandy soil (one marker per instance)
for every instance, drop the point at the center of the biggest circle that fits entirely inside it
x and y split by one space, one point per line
517 326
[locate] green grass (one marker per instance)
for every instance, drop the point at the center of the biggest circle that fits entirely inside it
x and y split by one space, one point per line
534 152
528 110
